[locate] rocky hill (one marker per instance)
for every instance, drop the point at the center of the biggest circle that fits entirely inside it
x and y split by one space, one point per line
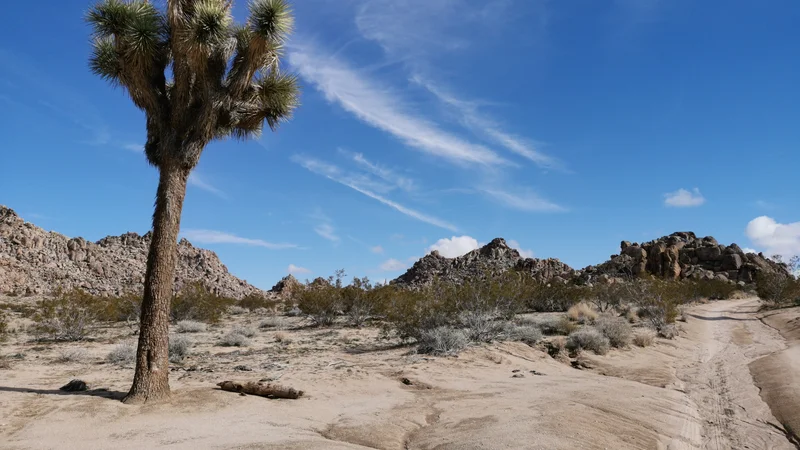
683 255
35 261
494 257
677 256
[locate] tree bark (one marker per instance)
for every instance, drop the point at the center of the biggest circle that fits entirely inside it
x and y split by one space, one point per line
151 380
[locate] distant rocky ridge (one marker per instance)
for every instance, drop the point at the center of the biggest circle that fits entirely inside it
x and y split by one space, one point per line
493 258
35 261
677 256
683 255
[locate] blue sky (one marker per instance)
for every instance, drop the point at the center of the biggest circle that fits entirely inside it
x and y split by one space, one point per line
565 126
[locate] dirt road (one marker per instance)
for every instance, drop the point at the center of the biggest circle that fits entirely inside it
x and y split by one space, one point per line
727 336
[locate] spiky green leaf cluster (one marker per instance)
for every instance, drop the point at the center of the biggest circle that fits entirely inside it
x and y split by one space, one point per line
226 79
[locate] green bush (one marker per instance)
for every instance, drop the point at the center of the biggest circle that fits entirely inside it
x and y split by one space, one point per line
196 302
68 316
359 301
3 326
553 297
256 301
778 289
123 308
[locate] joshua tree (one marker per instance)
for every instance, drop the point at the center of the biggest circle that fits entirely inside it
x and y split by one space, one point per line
197 77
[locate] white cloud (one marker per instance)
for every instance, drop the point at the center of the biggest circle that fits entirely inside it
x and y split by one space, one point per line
455 246
523 201
473 119
749 250
775 238
220 237
327 231
393 265
335 174
524 253
379 107
292 269
377 249
200 183
684 199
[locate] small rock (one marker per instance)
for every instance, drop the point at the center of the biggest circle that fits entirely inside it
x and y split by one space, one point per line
74 386
518 375
406 381
243 368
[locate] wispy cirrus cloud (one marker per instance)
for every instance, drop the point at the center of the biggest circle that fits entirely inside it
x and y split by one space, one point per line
200 236
472 118
199 182
523 200
326 231
392 265
378 106
386 174
334 173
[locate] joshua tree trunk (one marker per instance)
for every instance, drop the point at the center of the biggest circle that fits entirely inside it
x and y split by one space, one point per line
151 381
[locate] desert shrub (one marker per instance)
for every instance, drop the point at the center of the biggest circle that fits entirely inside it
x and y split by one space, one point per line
123 308
124 353
263 312
643 337
481 326
553 297
358 301
3 326
588 339
321 301
657 301
616 329
712 289
281 338
196 302
631 315
605 297
234 340
778 289
409 313
235 310
442 341
275 322
75 354
23 309
669 331
529 334
244 331
582 313
179 348
68 316
190 326
254 302
560 325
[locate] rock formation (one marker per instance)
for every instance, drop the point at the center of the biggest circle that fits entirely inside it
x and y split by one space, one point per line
493 258
683 255
35 261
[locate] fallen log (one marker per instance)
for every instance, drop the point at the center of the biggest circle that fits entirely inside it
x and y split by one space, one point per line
268 390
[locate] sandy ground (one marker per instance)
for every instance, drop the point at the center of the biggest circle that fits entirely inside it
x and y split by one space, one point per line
694 392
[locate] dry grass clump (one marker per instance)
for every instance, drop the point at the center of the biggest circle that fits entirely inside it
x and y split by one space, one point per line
233 339
72 355
282 338
442 341
561 326
631 315
190 326
588 339
616 329
275 322
244 331
124 353
179 347
582 313
644 338
236 310
668 331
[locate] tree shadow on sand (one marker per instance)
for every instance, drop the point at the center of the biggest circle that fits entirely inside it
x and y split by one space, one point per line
104 393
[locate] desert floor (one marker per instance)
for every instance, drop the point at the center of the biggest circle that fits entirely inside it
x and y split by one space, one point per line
731 380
